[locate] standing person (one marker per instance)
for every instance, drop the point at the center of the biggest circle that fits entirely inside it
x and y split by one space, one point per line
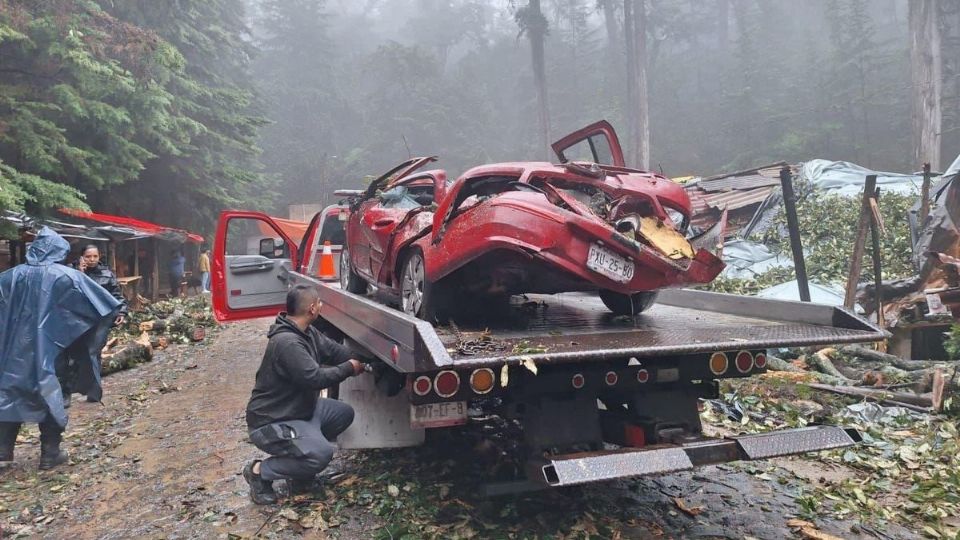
44 308
95 269
205 269
286 417
177 261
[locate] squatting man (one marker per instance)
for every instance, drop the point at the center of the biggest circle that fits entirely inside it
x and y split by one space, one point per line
286 416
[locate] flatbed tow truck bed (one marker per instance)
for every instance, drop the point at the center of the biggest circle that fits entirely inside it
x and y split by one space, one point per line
576 327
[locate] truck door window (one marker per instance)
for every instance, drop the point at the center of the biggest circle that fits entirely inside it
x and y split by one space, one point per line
333 231
254 237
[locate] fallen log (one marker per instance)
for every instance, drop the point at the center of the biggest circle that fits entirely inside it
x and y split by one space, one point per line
822 363
929 402
131 354
779 364
864 353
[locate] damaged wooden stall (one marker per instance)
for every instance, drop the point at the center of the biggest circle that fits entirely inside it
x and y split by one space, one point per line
147 246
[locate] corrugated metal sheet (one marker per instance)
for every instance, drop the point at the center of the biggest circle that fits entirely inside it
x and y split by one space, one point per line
734 200
730 183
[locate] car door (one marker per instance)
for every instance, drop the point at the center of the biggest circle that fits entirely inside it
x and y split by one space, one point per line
371 222
327 226
252 259
596 143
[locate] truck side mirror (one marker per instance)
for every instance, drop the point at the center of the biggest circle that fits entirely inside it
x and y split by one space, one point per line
267 248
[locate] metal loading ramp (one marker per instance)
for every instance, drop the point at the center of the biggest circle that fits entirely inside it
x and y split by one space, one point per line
582 468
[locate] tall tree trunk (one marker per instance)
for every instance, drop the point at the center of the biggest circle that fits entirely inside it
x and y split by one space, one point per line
638 102
926 73
630 48
536 31
612 25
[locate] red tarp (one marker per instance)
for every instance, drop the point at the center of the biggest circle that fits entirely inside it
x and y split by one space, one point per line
295 230
145 227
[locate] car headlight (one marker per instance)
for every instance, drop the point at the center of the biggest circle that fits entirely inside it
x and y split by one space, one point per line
677 218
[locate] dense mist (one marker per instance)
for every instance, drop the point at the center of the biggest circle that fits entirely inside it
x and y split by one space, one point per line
354 87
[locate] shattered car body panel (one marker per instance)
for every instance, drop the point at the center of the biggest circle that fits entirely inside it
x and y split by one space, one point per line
531 227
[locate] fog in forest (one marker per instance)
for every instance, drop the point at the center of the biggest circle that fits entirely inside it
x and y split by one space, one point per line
352 88
175 110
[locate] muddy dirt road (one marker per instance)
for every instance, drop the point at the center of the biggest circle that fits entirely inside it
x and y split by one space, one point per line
161 459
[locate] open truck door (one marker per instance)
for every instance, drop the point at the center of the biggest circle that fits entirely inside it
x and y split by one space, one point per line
252 260
596 143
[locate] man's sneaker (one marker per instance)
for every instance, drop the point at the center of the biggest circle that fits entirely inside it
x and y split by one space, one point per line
261 491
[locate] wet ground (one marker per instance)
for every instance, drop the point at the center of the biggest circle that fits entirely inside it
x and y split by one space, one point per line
161 459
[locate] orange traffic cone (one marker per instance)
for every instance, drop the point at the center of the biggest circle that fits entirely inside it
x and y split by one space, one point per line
328 270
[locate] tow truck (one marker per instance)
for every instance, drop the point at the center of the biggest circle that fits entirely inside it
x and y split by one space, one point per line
598 397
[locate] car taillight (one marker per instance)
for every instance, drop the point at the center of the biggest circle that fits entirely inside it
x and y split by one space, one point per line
577 381
611 378
760 360
446 383
719 363
744 361
422 385
481 380
643 376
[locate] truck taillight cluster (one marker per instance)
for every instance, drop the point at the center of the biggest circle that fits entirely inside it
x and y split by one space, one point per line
743 361
447 383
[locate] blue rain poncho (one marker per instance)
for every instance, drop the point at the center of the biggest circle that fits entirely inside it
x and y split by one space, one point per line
46 307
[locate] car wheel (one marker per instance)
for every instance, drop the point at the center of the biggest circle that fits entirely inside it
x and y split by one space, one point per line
628 304
349 280
417 293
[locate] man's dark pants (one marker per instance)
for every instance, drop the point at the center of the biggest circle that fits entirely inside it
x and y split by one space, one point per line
302 448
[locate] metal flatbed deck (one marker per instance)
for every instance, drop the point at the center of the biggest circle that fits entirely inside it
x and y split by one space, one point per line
576 327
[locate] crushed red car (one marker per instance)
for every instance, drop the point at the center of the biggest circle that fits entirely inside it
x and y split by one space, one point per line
586 224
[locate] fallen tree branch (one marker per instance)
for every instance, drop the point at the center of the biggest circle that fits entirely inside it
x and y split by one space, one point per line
916 402
822 363
876 356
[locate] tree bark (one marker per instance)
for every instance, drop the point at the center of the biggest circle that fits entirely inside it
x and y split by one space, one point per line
612 25
630 49
641 134
537 31
926 67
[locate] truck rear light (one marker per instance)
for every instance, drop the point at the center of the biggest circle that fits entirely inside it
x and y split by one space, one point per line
577 381
719 363
446 383
643 376
611 378
395 354
481 380
422 385
760 360
744 361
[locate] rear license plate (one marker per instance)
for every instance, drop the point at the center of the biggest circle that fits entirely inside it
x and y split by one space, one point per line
608 263
434 415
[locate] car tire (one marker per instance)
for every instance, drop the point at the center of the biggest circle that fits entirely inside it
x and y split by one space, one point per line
418 296
350 281
628 304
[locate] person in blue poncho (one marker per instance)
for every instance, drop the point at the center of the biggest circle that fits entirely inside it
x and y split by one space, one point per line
45 307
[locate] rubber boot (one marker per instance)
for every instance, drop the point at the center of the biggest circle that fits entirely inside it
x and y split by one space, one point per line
50 454
8 438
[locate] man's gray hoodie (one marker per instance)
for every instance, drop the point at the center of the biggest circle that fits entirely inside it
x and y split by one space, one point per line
295 367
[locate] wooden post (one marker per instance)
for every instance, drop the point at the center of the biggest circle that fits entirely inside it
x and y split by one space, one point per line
859 246
925 195
790 205
875 255
112 246
155 281
136 270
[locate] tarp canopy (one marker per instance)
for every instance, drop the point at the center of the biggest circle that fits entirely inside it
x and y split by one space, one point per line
295 230
46 307
135 227
845 178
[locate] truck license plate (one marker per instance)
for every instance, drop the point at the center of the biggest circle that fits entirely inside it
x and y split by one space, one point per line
433 415
608 263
